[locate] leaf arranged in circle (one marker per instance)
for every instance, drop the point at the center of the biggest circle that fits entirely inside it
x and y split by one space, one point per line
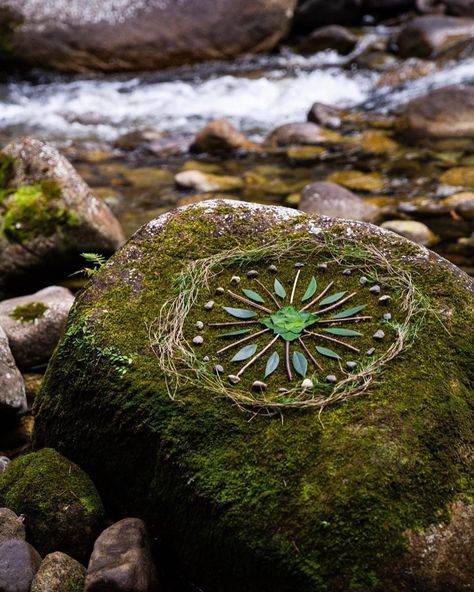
279 289
240 313
329 353
272 364
235 333
300 363
342 332
349 312
310 290
245 353
332 299
255 296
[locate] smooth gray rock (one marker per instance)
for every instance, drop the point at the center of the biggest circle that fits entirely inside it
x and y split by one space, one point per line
59 573
4 462
299 133
19 562
12 386
330 199
121 560
34 324
11 526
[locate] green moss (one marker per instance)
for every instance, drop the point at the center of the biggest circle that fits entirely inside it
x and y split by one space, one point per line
63 508
304 502
35 210
28 313
9 23
6 167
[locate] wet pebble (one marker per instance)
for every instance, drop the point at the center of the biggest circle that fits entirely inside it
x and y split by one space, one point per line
206 359
307 383
363 280
322 266
235 280
253 273
387 316
218 369
4 462
298 265
379 335
272 268
209 305
371 351
220 290
351 365
259 386
375 289
347 272
199 325
233 379
384 300
198 340
331 379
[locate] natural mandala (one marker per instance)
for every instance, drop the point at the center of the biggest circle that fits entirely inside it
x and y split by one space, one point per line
285 325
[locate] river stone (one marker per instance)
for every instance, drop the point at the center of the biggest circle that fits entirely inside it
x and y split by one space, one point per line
12 386
311 14
121 560
63 510
444 112
11 527
220 136
206 182
18 564
295 134
121 35
330 37
59 573
412 230
428 36
245 500
34 324
49 219
330 199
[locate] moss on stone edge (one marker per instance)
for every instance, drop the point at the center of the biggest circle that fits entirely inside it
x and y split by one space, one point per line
63 509
28 313
307 503
35 210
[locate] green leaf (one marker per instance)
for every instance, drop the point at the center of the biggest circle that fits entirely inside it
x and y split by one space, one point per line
324 351
342 332
290 335
235 333
240 313
272 364
310 290
245 353
279 289
350 311
333 298
255 296
300 363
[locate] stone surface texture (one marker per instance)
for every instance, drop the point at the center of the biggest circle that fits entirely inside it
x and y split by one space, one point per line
12 386
59 573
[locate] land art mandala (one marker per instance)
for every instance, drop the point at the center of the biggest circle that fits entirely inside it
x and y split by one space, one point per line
280 327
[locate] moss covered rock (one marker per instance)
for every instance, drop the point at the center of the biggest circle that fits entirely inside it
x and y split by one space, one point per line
62 508
48 216
322 472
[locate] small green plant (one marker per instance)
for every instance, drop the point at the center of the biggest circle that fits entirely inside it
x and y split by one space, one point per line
96 260
29 313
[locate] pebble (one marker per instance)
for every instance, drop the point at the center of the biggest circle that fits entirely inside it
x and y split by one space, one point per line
363 280
235 280
220 290
298 265
59 573
199 325
387 316
259 386
371 351
307 383
323 266
218 369
209 305
379 335
331 379
375 289
4 462
206 359
253 273
11 526
272 268
351 365
233 379
19 563
198 340
384 300
282 390
347 272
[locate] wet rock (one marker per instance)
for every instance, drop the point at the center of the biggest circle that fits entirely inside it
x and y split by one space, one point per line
34 324
459 176
11 526
12 387
295 133
428 36
330 37
358 181
143 35
330 199
204 182
18 564
411 69
220 136
49 217
412 230
462 203
59 573
325 115
445 112
64 512
4 462
121 560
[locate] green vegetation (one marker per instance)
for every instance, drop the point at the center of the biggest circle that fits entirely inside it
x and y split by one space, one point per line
96 260
28 313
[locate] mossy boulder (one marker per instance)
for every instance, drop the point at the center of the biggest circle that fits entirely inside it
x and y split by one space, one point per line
331 480
62 507
48 216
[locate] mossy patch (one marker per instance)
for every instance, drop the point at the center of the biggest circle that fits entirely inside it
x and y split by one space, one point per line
300 502
35 210
29 313
63 509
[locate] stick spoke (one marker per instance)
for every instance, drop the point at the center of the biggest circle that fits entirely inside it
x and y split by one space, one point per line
243 340
268 293
295 283
321 336
336 304
287 360
234 323
249 302
257 356
318 298
310 355
349 319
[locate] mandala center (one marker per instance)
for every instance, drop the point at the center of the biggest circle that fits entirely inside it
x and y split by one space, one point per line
289 323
